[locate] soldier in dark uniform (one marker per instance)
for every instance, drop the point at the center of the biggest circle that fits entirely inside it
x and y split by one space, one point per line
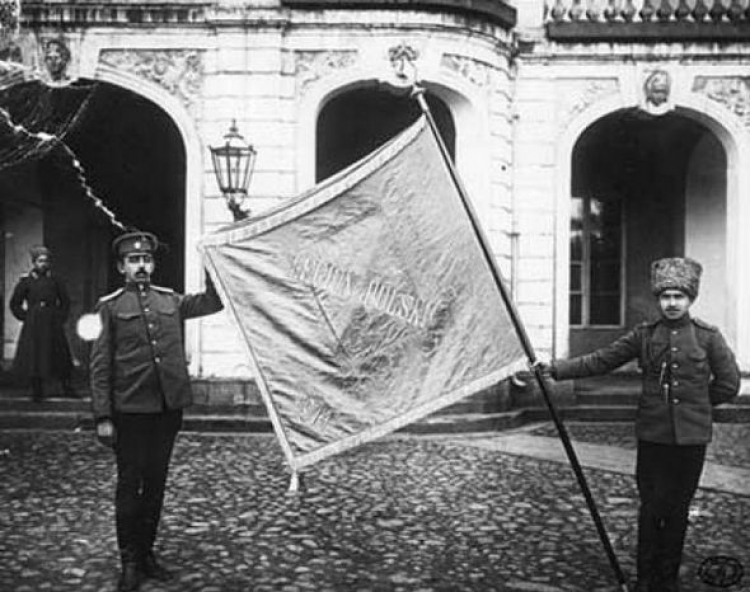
41 302
139 387
687 368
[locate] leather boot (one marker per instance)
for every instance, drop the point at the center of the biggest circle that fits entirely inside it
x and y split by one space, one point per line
673 540
647 552
643 585
130 578
153 569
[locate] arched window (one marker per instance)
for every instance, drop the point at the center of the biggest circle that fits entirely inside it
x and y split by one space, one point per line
358 121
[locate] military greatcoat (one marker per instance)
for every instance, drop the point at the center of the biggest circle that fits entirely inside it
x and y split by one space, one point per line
41 302
687 368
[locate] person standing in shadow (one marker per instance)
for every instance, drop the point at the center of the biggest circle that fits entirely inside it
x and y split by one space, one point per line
41 302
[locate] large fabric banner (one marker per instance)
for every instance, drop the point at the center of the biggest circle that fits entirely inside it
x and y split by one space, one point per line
366 303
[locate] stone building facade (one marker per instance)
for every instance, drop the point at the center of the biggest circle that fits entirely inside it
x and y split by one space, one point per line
590 143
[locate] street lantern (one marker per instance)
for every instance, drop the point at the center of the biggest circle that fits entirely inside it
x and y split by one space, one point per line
233 165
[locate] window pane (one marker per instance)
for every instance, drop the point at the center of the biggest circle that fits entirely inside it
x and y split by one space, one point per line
575 277
575 309
576 246
576 230
605 309
605 276
605 229
595 261
604 269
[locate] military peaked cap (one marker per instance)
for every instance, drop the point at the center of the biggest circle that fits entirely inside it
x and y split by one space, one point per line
135 242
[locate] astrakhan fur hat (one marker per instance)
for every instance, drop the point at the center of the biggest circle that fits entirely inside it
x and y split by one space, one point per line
676 273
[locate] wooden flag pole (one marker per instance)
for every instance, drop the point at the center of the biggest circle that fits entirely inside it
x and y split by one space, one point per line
418 93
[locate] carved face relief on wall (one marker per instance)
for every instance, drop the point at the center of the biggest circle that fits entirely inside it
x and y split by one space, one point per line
656 98
56 59
403 59
656 87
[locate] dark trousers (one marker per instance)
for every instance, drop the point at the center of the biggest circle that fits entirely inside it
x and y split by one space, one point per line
667 476
143 449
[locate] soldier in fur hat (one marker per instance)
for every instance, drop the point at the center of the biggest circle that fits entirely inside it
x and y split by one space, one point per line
139 387
687 368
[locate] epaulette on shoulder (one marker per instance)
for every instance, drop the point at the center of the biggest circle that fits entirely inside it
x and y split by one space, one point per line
648 324
111 296
704 325
162 289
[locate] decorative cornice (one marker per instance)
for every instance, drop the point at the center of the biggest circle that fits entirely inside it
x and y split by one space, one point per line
577 95
312 65
497 12
179 71
731 91
475 71
122 12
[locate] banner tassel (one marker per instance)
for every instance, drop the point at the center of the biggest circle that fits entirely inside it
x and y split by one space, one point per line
294 482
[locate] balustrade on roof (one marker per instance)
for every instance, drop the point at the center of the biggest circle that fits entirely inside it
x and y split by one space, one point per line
647 19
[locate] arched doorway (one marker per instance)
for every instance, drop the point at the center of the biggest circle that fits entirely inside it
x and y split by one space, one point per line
356 122
133 159
642 188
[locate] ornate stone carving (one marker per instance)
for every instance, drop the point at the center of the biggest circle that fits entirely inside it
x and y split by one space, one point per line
656 87
32 56
577 95
56 60
403 58
476 72
731 91
10 13
656 96
179 71
312 65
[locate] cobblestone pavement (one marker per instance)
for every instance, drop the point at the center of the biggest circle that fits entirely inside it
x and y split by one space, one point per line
401 514
730 444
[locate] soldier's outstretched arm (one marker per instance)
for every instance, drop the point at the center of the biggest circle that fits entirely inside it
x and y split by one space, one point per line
601 361
202 303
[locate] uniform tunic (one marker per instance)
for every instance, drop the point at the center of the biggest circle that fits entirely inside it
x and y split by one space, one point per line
138 362
42 304
687 368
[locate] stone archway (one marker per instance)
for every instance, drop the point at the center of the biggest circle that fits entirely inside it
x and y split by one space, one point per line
463 101
729 132
642 188
133 158
355 122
